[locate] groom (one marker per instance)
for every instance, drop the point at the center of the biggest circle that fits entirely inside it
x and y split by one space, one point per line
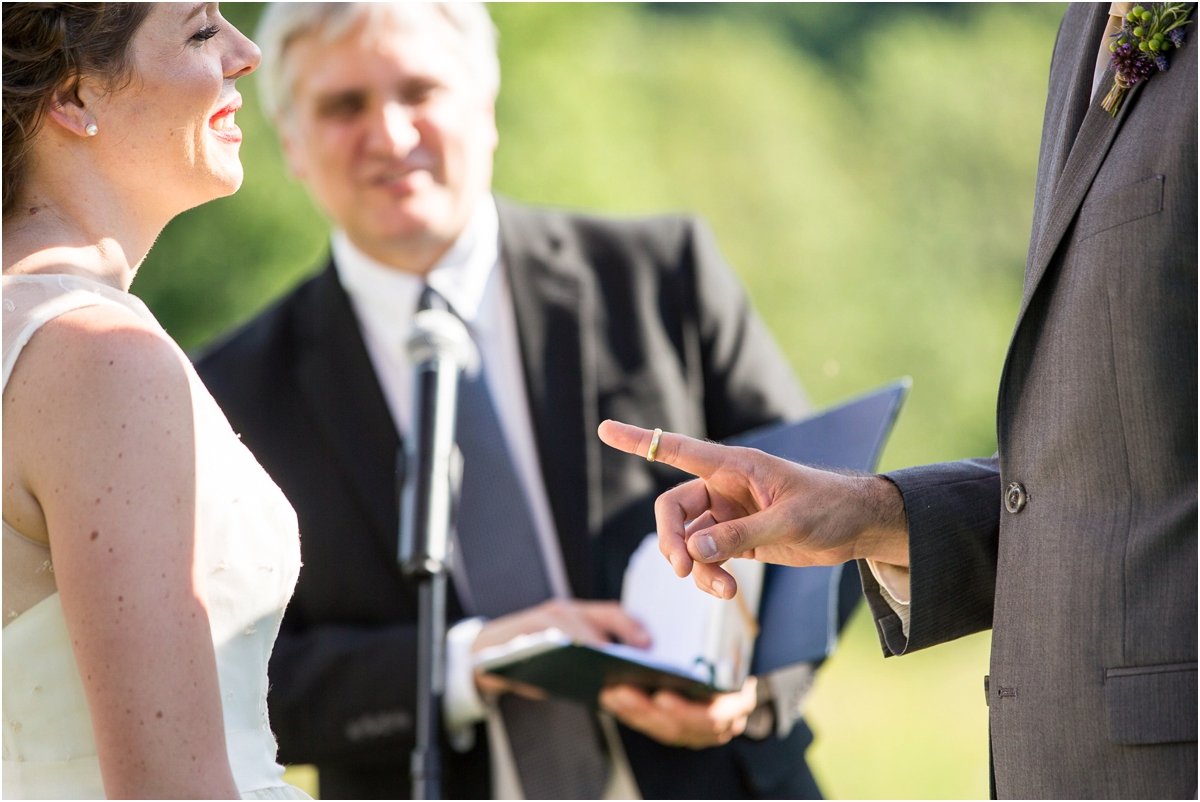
386 113
1076 544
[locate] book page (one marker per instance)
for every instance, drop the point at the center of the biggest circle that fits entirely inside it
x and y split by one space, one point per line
700 635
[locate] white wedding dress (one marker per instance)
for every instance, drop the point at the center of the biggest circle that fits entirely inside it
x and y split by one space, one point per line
251 556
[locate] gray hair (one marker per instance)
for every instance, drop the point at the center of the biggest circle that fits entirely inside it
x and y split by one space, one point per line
283 23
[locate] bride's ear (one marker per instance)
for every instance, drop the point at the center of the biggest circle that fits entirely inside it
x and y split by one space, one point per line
70 109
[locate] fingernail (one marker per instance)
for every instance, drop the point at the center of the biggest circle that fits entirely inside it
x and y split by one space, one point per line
719 587
675 563
706 546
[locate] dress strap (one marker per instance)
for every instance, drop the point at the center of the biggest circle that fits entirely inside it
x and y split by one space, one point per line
31 301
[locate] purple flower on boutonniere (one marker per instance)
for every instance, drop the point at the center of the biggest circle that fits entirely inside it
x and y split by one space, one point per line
1140 48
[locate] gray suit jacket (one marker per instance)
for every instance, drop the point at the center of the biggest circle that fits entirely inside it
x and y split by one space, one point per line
1090 587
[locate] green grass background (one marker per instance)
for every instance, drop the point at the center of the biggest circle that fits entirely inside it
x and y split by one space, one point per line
868 170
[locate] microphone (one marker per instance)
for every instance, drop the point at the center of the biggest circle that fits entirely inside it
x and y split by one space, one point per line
439 349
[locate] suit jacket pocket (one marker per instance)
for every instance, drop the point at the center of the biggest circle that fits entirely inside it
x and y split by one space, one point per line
1151 704
1122 206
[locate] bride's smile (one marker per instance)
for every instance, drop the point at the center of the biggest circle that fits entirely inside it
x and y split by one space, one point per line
222 124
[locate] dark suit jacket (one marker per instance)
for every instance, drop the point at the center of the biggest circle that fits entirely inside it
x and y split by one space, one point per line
1090 588
641 321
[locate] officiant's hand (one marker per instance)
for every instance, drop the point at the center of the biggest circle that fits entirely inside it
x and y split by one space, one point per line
749 504
673 720
590 622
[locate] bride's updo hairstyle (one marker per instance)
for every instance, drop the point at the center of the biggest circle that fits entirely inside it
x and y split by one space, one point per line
47 47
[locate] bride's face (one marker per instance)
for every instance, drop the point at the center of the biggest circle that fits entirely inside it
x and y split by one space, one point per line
170 136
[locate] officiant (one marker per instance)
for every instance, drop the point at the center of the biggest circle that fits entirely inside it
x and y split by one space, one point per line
386 113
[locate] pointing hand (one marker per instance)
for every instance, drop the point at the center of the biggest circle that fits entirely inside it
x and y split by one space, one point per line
745 503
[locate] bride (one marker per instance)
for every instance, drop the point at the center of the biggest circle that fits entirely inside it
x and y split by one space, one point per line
147 557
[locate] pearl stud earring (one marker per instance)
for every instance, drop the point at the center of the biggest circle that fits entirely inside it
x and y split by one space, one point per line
91 129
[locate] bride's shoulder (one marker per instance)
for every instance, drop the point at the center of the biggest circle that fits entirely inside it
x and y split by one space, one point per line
94 338
97 395
89 362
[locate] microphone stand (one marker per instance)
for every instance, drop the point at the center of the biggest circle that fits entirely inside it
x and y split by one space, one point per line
439 349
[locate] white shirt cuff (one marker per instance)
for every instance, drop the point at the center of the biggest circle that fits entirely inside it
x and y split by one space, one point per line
462 707
894 587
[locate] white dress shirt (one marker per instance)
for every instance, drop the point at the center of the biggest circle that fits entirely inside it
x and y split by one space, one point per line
472 281
894 588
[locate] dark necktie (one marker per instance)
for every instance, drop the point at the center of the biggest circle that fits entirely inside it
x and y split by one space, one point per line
556 744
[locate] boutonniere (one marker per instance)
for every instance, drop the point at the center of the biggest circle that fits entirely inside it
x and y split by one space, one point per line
1141 46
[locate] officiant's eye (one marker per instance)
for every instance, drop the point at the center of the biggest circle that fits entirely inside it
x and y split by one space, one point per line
341 106
206 33
416 91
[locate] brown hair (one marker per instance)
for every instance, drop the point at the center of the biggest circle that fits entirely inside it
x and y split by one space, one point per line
47 48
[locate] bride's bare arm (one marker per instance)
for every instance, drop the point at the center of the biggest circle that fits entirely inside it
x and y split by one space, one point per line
98 422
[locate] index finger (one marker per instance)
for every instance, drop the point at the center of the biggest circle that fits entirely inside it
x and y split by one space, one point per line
694 456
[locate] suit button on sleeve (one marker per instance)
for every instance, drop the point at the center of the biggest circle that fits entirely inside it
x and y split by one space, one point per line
1015 498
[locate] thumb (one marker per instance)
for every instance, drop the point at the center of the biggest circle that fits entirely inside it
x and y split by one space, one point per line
732 538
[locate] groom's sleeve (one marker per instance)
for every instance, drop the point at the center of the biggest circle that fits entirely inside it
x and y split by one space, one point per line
953 511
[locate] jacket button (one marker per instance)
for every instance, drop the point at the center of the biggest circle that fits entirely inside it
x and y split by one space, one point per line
1015 498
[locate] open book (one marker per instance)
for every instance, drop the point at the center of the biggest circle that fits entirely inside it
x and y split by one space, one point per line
703 645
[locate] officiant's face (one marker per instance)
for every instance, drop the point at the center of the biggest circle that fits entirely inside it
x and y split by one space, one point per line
391 130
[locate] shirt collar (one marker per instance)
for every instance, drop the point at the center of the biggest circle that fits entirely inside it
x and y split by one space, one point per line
387 298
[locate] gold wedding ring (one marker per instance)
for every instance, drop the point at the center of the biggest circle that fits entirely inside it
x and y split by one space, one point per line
653 445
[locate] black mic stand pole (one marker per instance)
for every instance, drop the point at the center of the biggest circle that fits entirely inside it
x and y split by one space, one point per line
439 350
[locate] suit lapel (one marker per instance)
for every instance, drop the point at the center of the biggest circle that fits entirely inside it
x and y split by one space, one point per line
553 325
1067 103
335 375
1086 155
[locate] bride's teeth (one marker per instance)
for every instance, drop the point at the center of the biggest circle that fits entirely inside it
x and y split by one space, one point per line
223 122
